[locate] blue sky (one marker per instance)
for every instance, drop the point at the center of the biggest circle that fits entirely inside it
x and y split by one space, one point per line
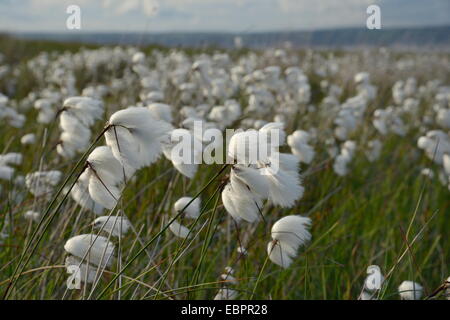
217 15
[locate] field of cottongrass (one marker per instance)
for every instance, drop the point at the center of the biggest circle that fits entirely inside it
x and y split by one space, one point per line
91 207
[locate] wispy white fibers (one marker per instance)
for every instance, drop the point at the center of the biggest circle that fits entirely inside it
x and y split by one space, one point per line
252 178
161 111
11 158
185 151
41 183
27 139
80 194
263 173
435 143
106 176
178 229
279 138
6 160
284 183
95 249
84 109
114 225
372 284
342 161
243 147
77 115
192 211
46 110
135 137
83 271
410 290
299 143
241 200
288 234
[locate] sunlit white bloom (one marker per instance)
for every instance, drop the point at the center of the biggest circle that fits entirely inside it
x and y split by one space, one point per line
182 143
299 143
284 186
252 146
29 138
192 210
178 229
288 234
342 161
435 143
114 225
84 109
81 270
46 110
161 111
106 176
11 158
410 290
240 202
41 183
135 137
80 194
346 123
91 248
388 120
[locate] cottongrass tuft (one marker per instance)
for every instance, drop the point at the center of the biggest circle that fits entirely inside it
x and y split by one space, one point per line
288 234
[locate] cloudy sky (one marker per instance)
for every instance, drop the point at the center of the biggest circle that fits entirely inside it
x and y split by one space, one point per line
217 15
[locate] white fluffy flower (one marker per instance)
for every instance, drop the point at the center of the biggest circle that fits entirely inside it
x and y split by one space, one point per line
240 201
80 194
41 183
435 143
135 137
6 160
178 229
83 271
342 161
192 211
92 248
298 141
106 175
84 109
183 141
29 138
410 290
284 185
115 225
288 234
161 111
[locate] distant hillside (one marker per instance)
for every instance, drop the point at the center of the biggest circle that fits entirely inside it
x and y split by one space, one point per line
430 37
